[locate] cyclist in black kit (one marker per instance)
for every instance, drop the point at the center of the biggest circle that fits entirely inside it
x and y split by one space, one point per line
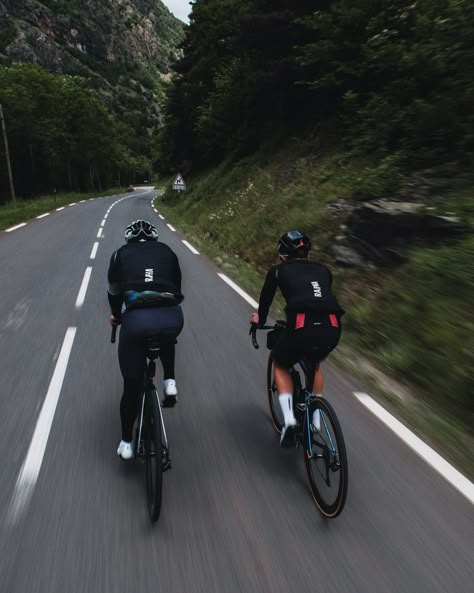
313 318
145 277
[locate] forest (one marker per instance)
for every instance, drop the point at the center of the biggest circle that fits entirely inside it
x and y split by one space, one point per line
62 137
385 77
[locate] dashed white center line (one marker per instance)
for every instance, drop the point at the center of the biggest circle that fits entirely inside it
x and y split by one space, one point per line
83 290
99 234
94 250
105 216
59 209
190 247
13 228
29 472
171 228
238 290
102 223
444 468
43 215
161 216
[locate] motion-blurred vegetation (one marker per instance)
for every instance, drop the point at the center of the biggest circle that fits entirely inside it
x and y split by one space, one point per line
290 114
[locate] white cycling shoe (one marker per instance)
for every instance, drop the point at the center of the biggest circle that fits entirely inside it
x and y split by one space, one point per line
288 434
125 450
170 393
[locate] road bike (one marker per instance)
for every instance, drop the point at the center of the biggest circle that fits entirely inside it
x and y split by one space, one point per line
150 443
318 430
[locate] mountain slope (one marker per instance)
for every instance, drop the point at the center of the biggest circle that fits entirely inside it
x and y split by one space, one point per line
125 47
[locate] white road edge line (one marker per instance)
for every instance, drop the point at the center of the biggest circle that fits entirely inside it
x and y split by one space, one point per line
72 204
94 250
13 228
31 467
238 290
82 202
43 215
161 216
99 234
190 247
59 209
82 291
171 228
450 473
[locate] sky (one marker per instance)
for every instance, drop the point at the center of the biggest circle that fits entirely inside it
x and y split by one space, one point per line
180 8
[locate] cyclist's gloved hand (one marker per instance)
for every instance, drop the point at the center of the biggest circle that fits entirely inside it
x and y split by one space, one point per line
254 318
115 320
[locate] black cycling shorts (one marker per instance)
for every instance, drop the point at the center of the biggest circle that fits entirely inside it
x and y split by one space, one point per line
140 324
307 335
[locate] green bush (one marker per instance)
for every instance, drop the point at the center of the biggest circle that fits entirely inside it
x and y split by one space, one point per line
379 181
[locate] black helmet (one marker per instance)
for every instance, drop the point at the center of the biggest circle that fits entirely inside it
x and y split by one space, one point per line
141 230
291 241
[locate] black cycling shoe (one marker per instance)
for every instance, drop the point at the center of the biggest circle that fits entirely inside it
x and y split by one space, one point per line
169 401
288 436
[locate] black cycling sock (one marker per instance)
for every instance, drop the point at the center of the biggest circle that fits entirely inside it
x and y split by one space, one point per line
129 406
167 352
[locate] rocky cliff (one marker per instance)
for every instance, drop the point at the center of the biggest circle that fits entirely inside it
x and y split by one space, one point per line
125 47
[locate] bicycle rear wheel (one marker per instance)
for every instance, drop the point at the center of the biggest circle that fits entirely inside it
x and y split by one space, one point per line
275 410
325 458
153 452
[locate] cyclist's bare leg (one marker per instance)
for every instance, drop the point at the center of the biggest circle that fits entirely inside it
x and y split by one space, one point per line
284 385
318 383
283 381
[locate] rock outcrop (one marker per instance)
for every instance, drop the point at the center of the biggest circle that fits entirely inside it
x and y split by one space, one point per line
381 231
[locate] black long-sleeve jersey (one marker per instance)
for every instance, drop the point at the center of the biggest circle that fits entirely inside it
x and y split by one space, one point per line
148 266
305 285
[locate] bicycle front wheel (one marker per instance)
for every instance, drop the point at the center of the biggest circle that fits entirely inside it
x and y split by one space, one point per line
275 410
325 458
153 452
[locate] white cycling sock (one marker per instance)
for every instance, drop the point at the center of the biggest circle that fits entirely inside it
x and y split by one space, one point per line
286 405
316 421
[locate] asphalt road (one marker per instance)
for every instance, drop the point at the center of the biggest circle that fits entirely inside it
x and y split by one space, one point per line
237 514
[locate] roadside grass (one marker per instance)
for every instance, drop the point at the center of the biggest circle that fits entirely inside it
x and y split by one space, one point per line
412 325
429 419
24 210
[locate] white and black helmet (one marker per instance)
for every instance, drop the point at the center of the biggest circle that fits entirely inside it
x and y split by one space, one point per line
141 230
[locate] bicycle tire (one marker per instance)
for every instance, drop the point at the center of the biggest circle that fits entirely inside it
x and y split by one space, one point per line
272 393
153 452
329 509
